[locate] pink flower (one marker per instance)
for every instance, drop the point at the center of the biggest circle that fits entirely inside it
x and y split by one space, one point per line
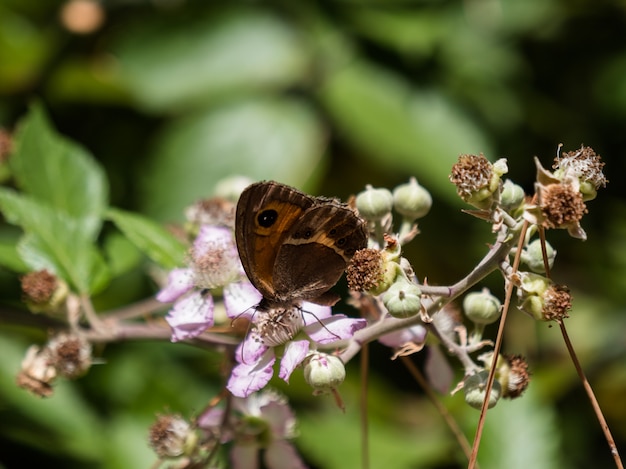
262 424
214 262
291 330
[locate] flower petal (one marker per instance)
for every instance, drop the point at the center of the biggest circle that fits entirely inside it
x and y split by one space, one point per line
251 349
179 282
241 299
280 417
245 456
416 334
191 316
313 313
246 379
334 328
281 454
295 351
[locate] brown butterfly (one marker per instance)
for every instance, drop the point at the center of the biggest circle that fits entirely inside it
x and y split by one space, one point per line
295 247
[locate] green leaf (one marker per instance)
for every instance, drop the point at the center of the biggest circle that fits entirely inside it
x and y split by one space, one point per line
9 255
151 238
55 241
184 61
402 128
263 138
58 172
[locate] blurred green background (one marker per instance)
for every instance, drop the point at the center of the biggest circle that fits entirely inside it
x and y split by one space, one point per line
171 96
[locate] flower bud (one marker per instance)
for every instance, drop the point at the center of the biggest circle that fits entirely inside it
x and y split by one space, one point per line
411 200
475 386
542 299
511 196
374 204
403 298
324 372
482 307
533 257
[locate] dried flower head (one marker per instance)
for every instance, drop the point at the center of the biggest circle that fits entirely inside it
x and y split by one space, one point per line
216 211
476 179
170 436
39 286
561 206
516 378
557 303
37 374
70 354
583 164
366 270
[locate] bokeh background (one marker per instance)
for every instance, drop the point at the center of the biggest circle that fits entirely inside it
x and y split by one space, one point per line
171 96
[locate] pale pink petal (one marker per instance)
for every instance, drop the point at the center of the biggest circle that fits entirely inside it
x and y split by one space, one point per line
438 370
280 417
334 328
295 351
190 316
416 334
250 350
281 454
212 237
245 457
215 259
179 282
246 379
241 299
312 313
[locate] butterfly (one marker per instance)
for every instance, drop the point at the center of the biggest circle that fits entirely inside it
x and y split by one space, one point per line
295 247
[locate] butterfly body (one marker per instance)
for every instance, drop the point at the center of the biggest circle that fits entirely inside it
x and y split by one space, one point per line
295 247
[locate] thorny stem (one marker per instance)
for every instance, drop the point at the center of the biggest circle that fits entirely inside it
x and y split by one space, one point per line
496 351
591 396
442 409
498 252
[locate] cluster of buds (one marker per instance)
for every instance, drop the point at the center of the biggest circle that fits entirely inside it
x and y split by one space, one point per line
510 381
66 355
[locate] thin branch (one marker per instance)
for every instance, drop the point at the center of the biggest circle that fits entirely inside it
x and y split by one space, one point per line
592 397
496 351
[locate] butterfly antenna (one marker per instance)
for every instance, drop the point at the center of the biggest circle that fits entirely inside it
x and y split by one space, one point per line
302 311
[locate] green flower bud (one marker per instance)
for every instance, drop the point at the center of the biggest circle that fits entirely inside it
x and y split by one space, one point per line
588 190
474 388
482 307
411 200
323 372
374 204
533 257
511 196
403 298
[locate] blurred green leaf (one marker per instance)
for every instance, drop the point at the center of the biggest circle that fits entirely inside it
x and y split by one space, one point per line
263 138
150 237
59 173
403 128
55 241
24 49
521 433
178 62
122 255
9 256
